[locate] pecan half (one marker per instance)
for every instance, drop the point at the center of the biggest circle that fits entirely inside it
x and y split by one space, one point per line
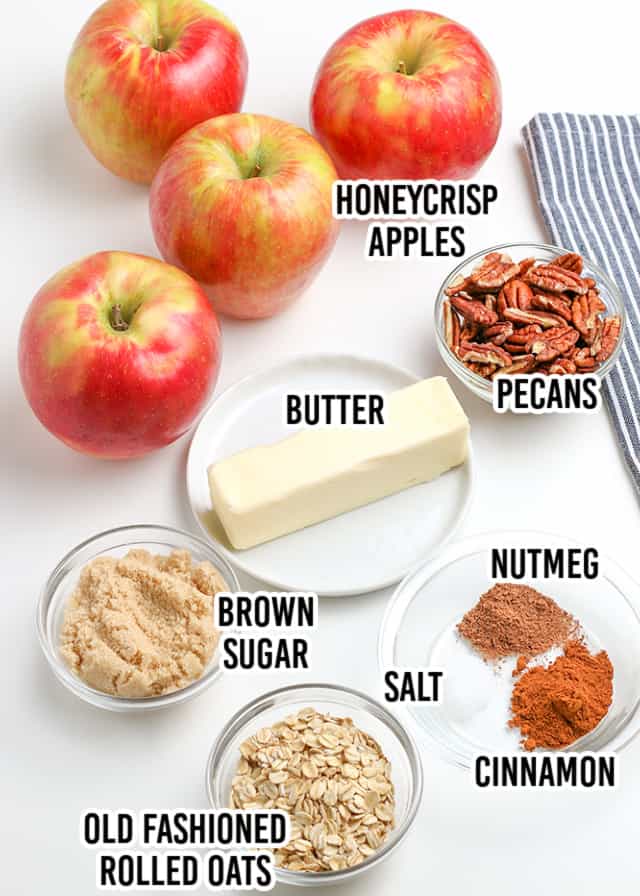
490 302
547 301
562 366
552 343
498 333
519 364
607 339
457 285
583 360
451 323
484 370
484 353
518 342
469 331
474 311
493 272
515 294
570 261
553 278
544 318
523 336
596 336
584 314
524 266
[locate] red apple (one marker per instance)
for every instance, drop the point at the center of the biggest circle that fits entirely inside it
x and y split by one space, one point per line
243 204
118 354
408 94
142 72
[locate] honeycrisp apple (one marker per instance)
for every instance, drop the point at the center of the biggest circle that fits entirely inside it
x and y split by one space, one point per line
243 204
408 94
118 354
142 72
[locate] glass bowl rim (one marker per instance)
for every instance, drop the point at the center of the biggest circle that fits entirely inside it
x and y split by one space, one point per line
480 384
399 602
63 567
350 697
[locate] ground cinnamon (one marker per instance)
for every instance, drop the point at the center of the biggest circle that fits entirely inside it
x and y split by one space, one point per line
553 706
515 619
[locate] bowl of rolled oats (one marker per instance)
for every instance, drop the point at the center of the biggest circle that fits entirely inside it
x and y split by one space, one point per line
527 308
343 767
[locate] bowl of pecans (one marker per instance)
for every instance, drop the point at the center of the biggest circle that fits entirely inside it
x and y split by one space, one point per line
523 308
342 766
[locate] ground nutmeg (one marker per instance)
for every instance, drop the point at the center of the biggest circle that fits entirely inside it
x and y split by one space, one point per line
512 619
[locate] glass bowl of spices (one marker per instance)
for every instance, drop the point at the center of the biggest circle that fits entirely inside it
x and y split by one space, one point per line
125 619
343 767
527 308
534 659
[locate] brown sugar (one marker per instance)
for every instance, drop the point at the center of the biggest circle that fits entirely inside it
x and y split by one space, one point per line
515 619
141 625
553 706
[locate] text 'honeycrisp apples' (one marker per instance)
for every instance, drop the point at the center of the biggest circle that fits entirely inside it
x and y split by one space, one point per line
243 204
142 72
408 94
118 354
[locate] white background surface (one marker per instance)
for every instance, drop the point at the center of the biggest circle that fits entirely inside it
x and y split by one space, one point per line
59 756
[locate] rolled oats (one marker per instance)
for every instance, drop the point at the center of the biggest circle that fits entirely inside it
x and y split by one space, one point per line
332 779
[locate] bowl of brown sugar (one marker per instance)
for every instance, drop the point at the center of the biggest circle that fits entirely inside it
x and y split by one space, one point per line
125 620
535 663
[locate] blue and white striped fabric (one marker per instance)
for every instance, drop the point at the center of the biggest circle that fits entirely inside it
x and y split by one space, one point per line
587 174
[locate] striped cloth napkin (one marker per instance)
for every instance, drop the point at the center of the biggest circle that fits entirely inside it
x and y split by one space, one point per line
587 174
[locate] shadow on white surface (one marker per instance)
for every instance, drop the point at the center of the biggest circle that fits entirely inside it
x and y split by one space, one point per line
50 149
54 170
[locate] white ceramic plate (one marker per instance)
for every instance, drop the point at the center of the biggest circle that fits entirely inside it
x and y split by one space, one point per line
359 551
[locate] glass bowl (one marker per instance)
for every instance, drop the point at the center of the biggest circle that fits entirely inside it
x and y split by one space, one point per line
418 630
63 579
609 292
369 715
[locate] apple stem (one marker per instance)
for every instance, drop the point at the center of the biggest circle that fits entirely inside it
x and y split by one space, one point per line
257 168
402 67
116 319
159 43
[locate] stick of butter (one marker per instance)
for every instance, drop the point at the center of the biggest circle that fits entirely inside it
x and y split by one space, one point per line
272 490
